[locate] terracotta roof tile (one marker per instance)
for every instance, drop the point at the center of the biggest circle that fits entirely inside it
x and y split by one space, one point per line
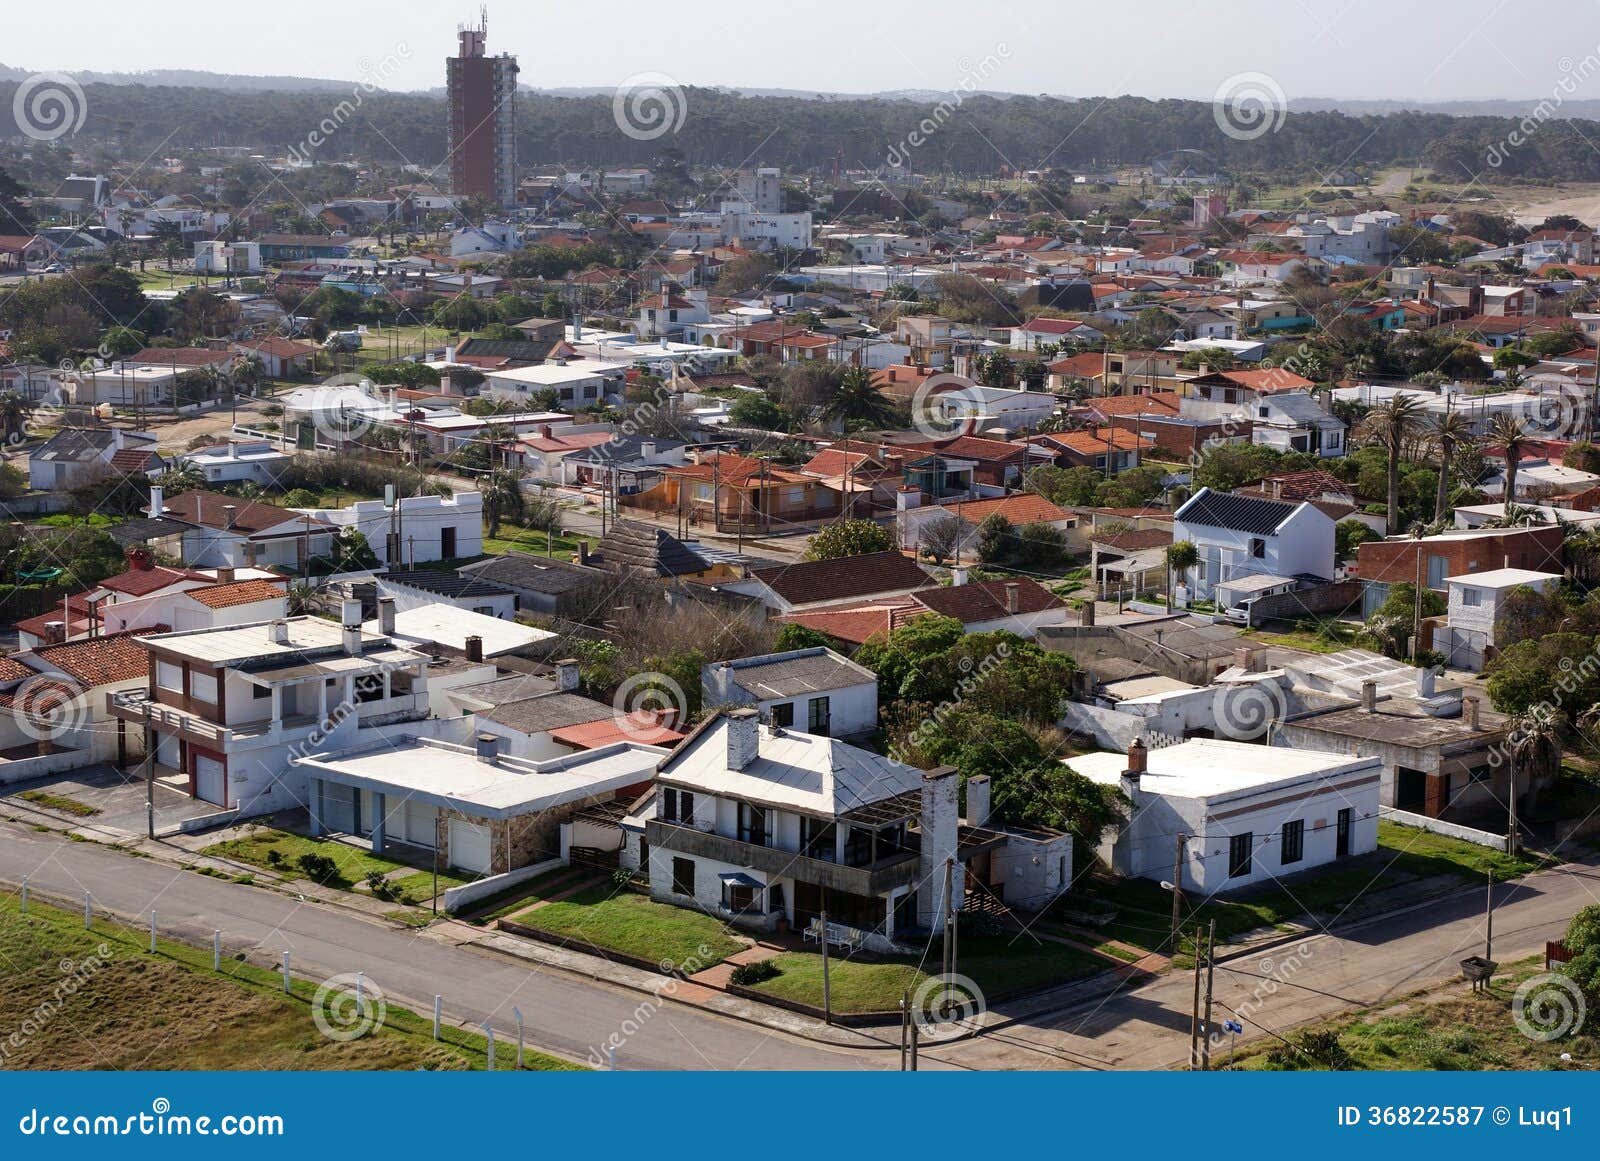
247 592
99 660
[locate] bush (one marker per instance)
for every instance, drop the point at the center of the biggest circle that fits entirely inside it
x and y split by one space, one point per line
318 868
978 925
274 857
749 974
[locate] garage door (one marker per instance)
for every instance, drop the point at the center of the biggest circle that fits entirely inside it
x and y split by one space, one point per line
469 846
338 808
416 824
209 779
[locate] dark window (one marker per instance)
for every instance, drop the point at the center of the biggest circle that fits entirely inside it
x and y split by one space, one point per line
1239 847
752 824
1294 842
683 876
817 839
738 898
782 714
447 543
817 716
677 806
1258 547
260 691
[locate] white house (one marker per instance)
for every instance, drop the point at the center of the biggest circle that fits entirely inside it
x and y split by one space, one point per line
219 257
255 461
1292 421
814 690
989 407
760 824
1235 813
225 532
413 590
414 529
1474 604
1240 536
77 455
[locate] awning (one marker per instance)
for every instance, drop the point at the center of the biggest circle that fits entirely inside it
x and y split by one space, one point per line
740 879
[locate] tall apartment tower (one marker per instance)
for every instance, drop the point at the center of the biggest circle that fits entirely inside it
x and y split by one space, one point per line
482 139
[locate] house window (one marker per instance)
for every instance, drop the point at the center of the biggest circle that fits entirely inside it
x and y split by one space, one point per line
753 825
817 839
683 876
738 897
817 716
1437 567
1470 598
1239 849
782 714
259 692
1258 547
1294 842
677 806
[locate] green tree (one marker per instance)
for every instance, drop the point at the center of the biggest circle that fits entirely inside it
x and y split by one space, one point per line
1182 555
1350 534
845 538
1390 425
1450 434
1513 436
996 540
794 636
757 410
857 402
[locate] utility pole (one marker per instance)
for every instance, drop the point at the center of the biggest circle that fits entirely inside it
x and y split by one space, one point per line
1177 890
1211 968
149 775
1194 1009
827 995
947 949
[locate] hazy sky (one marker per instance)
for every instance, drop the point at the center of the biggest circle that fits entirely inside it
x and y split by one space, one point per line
1403 49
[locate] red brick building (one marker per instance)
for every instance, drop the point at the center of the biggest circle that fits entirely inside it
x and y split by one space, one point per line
1381 563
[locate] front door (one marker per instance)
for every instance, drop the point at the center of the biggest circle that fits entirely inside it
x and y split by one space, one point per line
447 543
1341 847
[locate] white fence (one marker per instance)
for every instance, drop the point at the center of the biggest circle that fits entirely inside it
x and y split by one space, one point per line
1482 838
24 769
458 897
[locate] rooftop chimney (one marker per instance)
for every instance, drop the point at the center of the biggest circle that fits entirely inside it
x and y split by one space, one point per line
567 674
743 738
278 632
1369 695
1425 678
1469 712
386 615
908 497
229 512
1013 598
488 747
978 799
55 632
647 449
1086 615
157 500
350 614
225 574
474 648
958 576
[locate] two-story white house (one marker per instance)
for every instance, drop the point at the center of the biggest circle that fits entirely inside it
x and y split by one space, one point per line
1473 608
815 690
765 825
1292 421
226 708
1239 536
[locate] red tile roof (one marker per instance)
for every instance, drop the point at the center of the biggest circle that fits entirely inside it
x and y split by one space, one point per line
141 582
638 727
99 660
836 580
986 600
1023 508
206 508
858 623
247 592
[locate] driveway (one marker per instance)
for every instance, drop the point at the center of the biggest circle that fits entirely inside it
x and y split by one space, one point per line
119 798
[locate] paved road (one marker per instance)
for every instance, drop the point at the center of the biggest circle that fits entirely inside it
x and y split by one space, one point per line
564 1014
1141 1028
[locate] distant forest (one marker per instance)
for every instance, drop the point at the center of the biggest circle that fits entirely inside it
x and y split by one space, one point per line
724 129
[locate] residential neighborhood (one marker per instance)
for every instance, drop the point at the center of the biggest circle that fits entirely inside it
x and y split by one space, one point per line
969 612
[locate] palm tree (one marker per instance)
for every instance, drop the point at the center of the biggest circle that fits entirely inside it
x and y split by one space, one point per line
1450 432
502 499
1512 434
858 400
15 411
306 599
1391 424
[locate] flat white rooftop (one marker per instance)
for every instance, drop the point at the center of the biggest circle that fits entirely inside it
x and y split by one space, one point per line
1503 578
446 624
442 774
1211 768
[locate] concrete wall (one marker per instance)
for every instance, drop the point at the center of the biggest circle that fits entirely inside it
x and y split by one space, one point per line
1034 870
1482 838
1334 598
455 898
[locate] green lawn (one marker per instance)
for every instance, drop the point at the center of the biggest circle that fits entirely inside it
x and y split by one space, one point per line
997 964
534 540
129 1009
634 925
353 862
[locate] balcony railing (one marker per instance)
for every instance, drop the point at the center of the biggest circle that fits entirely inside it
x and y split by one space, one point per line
877 878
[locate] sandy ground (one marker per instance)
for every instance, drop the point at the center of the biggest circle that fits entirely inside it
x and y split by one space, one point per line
1582 202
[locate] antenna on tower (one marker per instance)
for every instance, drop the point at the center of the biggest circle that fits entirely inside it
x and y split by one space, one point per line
483 19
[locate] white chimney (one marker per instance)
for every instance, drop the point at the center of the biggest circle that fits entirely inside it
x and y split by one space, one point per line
744 738
958 576
278 632
386 615
647 449
1013 589
978 799
157 500
567 674
488 747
